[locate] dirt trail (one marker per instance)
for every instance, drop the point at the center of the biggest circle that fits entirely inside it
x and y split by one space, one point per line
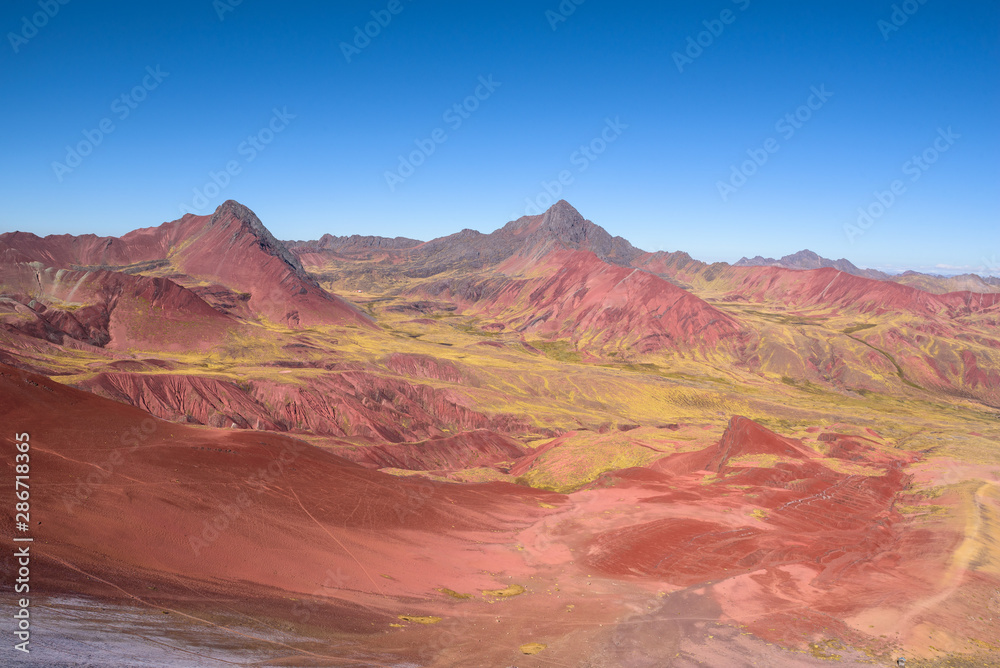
972 545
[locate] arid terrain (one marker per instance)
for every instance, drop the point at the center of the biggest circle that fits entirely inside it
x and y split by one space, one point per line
536 447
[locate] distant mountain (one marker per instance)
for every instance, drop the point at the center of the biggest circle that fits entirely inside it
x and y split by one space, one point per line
511 274
557 276
943 284
355 242
552 274
561 227
806 259
553 279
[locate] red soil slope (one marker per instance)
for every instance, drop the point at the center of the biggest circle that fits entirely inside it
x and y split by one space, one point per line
575 295
120 311
127 506
466 450
826 287
835 537
746 437
797 287
829 287
351 403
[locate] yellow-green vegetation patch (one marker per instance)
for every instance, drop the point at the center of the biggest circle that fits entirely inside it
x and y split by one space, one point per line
418 619
821 650
407 473
562 351
506 592
532 648
586 455
480 474
453 593
758 514
852 468
919 509
763 461
984 644
965 447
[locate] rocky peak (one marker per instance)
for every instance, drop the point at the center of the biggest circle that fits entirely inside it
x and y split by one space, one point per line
232 211
566 223
562 225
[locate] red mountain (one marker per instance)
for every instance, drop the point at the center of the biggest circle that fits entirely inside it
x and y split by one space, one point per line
575 295
554 275
230 249
118 310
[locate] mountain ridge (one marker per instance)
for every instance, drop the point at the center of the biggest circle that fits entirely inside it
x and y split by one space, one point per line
807 259
230 254
562 226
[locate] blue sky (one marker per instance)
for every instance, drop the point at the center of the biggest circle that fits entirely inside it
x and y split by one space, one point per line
309 129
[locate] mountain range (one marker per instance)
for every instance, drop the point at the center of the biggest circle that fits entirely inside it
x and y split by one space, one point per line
380 443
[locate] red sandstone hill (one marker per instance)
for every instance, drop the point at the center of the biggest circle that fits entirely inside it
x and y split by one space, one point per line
821 287
467 450
830 287
577 296
118 310
808 512
358 404
783 535
231 248
744 437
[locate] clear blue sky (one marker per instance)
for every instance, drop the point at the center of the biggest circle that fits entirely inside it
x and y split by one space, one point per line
657 183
